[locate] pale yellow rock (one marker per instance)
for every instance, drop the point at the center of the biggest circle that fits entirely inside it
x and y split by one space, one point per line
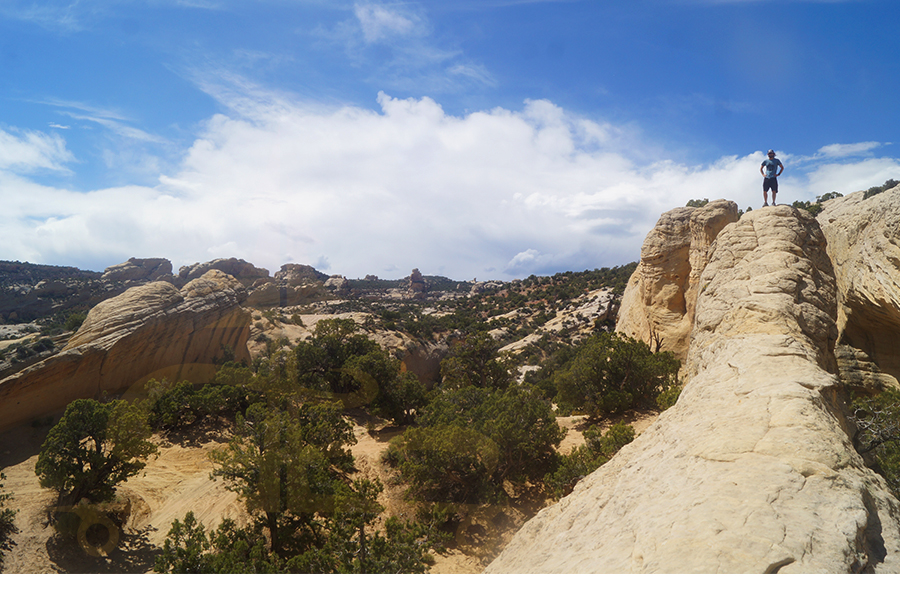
658 303
150 331
752 471
864 245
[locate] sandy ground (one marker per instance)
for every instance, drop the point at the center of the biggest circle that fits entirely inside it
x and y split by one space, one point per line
177 481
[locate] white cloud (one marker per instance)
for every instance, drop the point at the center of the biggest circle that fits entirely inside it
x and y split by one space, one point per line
380 23
32 150
496 193
843 150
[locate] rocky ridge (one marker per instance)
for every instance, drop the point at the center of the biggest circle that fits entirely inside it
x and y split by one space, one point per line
753 470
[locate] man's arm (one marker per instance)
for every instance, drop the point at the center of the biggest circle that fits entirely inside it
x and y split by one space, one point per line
761 166
782 168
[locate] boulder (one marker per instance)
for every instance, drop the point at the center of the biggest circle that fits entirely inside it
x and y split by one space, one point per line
864 245
658 304
151 331
753 470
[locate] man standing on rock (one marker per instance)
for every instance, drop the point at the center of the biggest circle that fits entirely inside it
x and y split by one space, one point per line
769 170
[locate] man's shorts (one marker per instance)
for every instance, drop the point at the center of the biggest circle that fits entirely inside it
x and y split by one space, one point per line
770 183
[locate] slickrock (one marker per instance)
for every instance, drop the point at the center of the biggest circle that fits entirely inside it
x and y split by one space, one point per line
752 471
658 303
150 331
864 245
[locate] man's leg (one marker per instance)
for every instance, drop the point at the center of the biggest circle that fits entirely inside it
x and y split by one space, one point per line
774 193
765 197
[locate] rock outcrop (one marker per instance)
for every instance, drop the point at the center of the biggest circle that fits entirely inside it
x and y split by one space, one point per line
658 304
864 245
142 270
752 471
248 274
150 331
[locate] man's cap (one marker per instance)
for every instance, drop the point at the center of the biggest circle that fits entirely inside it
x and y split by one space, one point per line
771 151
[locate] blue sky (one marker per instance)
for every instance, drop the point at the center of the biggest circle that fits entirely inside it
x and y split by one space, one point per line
488 139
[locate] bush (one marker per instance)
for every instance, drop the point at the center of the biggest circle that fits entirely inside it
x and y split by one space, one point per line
346 543
888 184
184 404
7 520
583 460
94 447
472 362
471 441
877 420
612 373
285 462
668 398
75 320
697 202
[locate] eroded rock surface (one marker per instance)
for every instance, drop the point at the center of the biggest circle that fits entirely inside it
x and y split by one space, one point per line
658 303
752 471
150 331
864 245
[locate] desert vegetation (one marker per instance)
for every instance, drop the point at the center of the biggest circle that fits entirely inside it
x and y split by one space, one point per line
477 447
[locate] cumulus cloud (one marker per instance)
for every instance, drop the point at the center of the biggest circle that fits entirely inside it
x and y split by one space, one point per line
498 193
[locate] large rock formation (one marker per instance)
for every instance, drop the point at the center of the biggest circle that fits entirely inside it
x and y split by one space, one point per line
150 331
752 471
864 245
658 303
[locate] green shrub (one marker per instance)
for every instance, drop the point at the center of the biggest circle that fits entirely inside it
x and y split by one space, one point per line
878 432
668 398
184 404
7 520
472 441
612 373
888 184
697 202
583 460
92 448
75 320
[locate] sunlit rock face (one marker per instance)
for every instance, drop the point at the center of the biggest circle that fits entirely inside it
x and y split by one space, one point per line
864 245
658 303
150 331
752 471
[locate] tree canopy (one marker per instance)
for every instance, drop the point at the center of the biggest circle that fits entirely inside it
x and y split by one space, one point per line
94 447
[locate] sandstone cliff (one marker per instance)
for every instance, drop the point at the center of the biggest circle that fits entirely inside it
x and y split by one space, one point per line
864 245
150 331
752 471
658 303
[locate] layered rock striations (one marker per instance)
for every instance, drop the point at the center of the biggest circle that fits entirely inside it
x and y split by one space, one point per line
150 331
658 303
752 471
864 244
